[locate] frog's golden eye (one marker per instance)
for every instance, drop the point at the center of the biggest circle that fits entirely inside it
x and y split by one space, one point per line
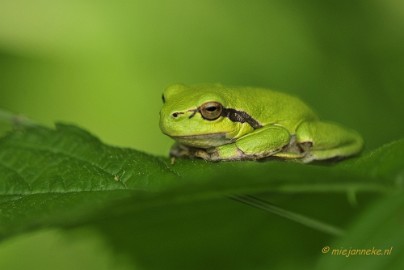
211 110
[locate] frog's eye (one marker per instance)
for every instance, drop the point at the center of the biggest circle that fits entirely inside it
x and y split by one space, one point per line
211 110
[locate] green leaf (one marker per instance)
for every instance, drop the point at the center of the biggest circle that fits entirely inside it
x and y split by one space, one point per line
46 175
66 177
42 169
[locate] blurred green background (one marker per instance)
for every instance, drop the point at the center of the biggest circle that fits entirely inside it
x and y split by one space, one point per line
103 64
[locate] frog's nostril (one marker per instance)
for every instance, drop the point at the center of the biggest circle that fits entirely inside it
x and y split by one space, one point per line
176 114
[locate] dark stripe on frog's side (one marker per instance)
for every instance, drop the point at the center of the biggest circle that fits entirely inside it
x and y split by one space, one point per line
240 116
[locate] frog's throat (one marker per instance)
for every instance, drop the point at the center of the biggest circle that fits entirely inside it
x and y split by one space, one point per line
203 140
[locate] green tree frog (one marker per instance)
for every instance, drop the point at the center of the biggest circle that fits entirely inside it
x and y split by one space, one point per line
215 122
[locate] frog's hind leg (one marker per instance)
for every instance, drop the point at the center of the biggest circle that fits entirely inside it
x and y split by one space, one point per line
324 140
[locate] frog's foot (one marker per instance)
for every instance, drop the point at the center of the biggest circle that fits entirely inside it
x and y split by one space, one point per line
294 150
231 152
218 154
179 150
182 151
227 152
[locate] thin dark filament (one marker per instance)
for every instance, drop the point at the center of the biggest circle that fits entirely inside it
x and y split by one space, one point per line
304 220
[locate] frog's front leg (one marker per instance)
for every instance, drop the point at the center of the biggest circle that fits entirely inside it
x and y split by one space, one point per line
263 142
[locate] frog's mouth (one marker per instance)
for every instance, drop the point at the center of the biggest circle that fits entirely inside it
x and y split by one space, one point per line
203 140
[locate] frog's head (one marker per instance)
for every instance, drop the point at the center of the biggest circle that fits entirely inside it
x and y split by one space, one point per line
198 116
